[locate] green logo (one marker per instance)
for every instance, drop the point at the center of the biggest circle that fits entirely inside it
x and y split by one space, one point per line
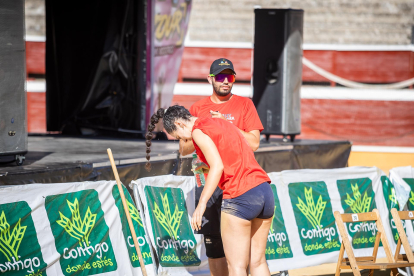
351 191
410 203
174 238
170 222
411 198
316 223
81 234
20 252
391 201
134 213
357 204
410 182
78 228
311 211
143 240
278 246
10 243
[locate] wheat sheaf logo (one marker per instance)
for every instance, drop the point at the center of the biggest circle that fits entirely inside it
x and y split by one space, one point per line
170 222
76 227
134 213
358 204
271 224
311 211
392 197
10 242
411 198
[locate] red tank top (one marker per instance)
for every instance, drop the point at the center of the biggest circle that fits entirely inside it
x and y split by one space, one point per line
241 170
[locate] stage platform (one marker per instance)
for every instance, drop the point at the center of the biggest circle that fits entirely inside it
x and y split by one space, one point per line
58 159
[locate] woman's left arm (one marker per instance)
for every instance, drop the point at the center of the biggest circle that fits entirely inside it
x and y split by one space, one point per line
213 158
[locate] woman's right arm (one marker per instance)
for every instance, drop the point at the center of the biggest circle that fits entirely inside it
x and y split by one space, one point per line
213 158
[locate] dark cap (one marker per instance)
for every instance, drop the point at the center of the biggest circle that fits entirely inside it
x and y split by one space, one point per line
221 64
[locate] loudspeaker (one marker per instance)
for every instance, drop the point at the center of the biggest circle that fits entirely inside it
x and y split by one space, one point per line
13 122
277 70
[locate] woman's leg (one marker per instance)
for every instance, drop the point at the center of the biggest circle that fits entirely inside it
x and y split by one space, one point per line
235 233
259 232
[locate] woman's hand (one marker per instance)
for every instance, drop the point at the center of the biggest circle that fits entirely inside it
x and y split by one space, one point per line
197 216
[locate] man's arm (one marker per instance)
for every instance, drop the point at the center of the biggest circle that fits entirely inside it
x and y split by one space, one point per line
186 147
252 137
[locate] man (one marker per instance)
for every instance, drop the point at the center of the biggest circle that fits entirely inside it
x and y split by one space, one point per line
241 112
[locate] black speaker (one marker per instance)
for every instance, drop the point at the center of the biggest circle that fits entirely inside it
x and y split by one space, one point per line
277 70
13 122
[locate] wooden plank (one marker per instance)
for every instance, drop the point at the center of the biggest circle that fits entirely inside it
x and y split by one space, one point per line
341 255
402 236
370 216
384 265
405 215
376 245
384 239
347 243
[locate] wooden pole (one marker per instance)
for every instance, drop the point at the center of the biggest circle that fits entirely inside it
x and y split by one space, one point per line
131 226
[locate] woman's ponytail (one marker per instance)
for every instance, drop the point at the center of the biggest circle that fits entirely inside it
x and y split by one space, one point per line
148 137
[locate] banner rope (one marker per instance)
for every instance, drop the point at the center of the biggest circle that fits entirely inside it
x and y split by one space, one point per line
353 84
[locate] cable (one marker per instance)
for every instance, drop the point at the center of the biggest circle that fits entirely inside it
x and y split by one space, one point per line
353 84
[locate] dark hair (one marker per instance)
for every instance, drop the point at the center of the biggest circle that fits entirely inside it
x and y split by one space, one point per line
169 117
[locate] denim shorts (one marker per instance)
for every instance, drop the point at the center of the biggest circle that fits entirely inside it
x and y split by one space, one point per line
255 203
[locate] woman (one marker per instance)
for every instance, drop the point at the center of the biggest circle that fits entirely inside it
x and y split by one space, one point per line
248 203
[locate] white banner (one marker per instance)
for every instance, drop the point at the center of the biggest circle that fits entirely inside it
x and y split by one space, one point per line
303 232
168 205
67 229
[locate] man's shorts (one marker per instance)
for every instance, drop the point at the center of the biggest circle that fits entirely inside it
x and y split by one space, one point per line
210 225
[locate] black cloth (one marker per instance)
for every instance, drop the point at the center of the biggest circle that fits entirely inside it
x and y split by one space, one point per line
211 218
214 246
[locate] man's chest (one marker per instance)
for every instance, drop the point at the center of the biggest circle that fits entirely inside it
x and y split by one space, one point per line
234 116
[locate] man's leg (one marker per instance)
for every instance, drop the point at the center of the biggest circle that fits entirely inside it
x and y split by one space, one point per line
218 267
215 253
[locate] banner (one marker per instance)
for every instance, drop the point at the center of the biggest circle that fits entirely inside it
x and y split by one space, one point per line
303 232
69 229
168 203
402 178
169 27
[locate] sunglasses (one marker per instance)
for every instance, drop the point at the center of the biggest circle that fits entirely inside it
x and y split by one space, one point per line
222 77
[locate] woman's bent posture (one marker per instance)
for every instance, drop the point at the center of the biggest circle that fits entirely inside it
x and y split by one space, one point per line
248 203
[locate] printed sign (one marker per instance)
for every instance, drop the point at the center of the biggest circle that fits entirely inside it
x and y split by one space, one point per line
391 201
278 246
170 27
20 253
357 196
314 217
174 238
81 234
138 226
410 203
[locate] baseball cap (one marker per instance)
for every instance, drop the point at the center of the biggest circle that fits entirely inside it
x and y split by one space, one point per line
221 64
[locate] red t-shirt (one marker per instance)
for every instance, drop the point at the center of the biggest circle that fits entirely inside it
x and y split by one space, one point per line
239 111
241 170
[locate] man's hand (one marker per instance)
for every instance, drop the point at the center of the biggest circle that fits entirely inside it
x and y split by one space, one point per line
216 114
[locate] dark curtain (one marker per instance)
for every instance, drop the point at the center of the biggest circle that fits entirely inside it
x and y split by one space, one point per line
95 66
